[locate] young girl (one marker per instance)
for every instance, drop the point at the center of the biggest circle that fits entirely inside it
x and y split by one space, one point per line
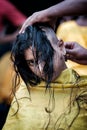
52 96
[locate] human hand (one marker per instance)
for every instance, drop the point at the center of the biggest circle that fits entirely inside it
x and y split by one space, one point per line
76 52
39 17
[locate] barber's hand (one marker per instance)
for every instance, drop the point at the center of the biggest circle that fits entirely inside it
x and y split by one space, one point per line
76 52
39 17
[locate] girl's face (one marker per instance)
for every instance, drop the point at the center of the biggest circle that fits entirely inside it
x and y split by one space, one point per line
58 59
35 66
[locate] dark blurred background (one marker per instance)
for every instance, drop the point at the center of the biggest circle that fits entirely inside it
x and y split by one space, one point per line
30 6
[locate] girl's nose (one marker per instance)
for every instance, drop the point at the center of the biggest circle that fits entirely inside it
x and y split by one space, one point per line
40 68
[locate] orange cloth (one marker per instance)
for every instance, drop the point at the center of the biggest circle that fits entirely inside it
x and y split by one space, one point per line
6 78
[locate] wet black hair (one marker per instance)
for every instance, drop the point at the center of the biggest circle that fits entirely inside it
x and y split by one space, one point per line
33 36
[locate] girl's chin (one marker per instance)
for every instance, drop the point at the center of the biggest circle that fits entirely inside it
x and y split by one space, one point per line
55 76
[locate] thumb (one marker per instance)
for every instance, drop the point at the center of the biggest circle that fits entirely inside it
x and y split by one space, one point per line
69 51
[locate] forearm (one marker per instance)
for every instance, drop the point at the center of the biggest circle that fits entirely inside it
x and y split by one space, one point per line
85 54
68 7
8 38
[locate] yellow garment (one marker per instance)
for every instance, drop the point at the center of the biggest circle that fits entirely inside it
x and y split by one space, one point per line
71 31
32 113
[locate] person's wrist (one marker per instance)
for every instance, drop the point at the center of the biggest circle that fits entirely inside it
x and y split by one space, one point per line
85 53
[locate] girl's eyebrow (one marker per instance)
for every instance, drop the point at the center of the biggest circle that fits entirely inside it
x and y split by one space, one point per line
30 60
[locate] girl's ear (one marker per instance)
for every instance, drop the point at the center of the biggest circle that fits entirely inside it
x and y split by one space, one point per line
62 47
